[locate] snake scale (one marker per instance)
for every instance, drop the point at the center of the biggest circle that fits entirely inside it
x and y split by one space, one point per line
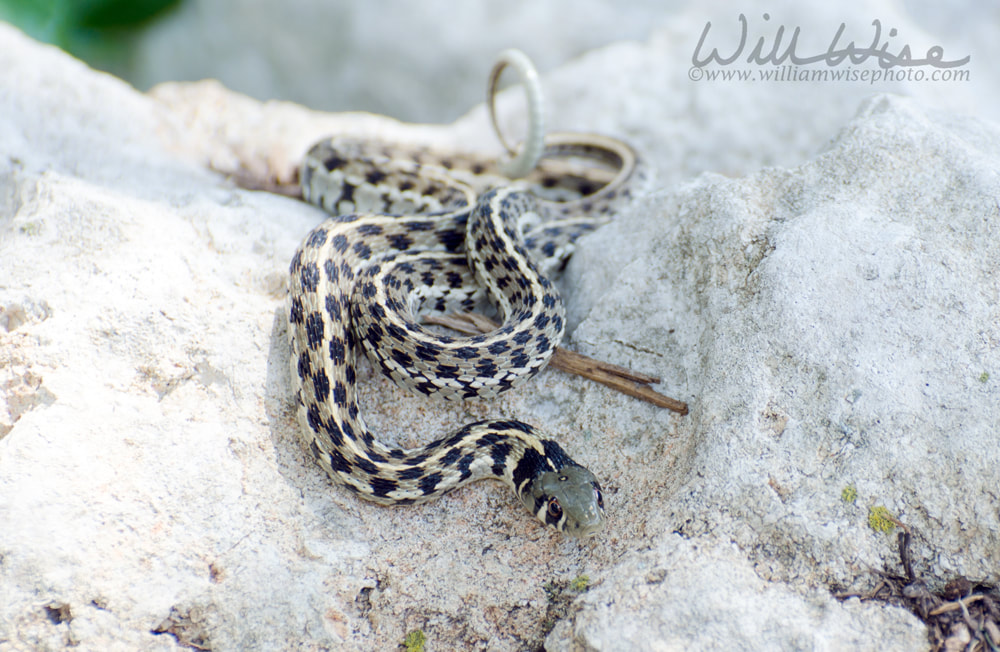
414 231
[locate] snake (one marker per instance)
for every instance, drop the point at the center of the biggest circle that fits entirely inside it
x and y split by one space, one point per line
412 231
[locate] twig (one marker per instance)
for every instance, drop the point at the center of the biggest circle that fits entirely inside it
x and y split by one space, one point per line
624 380
904 552
956 605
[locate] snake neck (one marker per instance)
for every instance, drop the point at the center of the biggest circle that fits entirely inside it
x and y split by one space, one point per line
558 491
505 450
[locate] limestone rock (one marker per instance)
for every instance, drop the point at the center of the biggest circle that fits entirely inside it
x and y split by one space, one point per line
835 327
684 596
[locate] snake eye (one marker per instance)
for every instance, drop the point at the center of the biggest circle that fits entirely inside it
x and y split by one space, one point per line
555 509
600 497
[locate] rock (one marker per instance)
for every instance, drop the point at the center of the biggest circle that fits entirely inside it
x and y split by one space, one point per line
857 284
835 327
683 596
832 323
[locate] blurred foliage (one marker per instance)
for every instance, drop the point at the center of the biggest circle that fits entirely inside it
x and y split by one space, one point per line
97 31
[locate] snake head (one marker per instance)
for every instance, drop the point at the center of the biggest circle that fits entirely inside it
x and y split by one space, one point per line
570 500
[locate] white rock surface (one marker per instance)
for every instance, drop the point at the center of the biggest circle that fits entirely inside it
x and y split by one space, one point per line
684 596
829 321
838 324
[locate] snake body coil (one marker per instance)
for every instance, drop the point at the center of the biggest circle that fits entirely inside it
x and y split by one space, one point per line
407 236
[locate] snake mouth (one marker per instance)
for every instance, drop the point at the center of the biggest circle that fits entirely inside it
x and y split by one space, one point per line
585 523
587 531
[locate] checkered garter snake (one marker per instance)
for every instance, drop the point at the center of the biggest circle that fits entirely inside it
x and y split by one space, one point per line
413 231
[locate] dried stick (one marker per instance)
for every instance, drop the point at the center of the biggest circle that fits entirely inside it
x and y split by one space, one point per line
957 604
